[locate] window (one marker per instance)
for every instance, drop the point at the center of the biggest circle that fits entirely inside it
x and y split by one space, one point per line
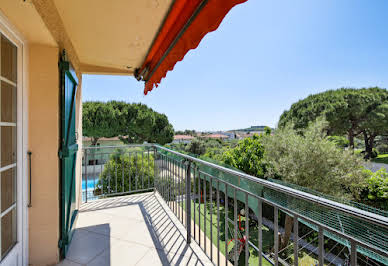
8 107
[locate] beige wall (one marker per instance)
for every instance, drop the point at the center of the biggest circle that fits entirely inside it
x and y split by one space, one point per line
44 134
44 143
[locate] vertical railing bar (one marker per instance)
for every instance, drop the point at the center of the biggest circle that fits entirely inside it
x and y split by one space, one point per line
102 181
86 175
353 253
94 171
321 247
129 171
109 178
165 177
199 209
182 193
218 222
260 230
188 203
142 169
246 229
155 183
276 235
211 218
148 166
195 198
122 170
137 170
226 223
173 187
204 214
296 239
235 226
116 175
168 182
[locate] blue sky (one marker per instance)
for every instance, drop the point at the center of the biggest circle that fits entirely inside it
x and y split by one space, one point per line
266 55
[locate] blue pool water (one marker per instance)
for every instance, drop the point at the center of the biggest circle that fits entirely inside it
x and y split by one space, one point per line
91 183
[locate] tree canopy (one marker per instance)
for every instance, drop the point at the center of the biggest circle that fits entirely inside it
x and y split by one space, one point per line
350 112
132 123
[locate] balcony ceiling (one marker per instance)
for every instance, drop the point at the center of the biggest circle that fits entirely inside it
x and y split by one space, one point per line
112 35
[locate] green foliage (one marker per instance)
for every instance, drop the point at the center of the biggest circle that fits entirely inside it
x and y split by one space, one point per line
196 146
186 132
340 141
311 160
99 120
248 156
134 167
378 185
133 123
377 189
349 112
267 130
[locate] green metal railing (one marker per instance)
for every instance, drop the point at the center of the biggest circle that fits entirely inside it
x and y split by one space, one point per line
238 218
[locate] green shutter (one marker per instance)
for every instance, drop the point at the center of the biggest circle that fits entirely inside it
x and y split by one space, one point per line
68 152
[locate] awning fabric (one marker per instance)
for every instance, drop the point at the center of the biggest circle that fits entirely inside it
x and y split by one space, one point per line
203 15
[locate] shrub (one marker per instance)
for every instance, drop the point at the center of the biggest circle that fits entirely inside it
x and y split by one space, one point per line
135 168
377 189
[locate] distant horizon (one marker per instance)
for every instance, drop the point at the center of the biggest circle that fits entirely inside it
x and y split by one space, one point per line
264 57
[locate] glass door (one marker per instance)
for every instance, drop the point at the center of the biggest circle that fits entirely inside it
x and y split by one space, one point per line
8 146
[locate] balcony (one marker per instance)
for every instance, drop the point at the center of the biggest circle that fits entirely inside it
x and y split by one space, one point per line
147 205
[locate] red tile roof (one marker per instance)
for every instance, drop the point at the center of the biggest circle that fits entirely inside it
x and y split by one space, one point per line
186 137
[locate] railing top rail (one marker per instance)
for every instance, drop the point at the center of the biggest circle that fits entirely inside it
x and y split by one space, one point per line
117 147
349 210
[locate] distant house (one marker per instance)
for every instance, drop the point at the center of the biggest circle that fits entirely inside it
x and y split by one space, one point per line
216 136
182 139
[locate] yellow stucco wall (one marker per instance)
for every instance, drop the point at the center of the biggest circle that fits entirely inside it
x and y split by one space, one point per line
44 135
43 105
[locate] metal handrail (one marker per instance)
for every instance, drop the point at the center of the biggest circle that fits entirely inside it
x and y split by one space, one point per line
350 210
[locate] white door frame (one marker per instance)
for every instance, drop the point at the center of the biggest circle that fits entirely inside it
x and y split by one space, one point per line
19 254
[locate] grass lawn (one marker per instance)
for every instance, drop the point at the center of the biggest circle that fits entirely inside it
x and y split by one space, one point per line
382 158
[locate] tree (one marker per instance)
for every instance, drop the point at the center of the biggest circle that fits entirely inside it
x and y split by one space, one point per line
140 123
348 111
313 161
133 123
248 156
99 120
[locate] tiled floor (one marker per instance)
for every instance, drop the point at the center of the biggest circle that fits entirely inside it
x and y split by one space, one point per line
131 230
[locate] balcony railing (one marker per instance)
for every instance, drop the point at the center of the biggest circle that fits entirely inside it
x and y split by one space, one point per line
237 217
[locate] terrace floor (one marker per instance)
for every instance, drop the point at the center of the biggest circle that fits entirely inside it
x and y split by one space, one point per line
131 230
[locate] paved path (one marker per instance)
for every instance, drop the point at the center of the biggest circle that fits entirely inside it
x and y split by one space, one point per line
374 167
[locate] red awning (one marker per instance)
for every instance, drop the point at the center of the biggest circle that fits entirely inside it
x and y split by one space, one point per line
187 22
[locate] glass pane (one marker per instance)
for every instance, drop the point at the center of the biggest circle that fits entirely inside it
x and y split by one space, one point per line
8 188
8 145
8 59
8 231
8 102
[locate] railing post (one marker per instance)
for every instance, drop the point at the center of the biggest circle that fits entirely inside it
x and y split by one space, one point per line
155 169
188 202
